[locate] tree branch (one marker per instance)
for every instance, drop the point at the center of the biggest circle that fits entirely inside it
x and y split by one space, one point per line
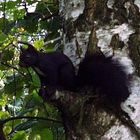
28 117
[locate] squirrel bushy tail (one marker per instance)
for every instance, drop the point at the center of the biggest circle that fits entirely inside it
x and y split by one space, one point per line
106 75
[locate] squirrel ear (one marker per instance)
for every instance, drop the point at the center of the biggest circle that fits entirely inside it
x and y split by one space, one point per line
31 47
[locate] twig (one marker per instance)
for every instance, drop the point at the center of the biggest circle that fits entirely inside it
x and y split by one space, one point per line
28 117
51 41
25 6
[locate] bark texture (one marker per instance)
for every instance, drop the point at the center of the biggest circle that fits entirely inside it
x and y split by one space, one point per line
84 117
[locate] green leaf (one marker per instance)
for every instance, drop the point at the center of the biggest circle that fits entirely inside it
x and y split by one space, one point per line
30 22
7 55
44 133
11 5
53 25
14 85
42 8
39 44
18 14
33 100
36 81
20 135
6 25
3 102
3 23
1 73
4 115
2 37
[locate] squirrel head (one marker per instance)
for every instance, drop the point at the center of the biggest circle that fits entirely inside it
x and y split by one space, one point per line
28 57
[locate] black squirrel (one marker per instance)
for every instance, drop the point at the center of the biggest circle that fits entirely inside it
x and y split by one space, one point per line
56 71
105 75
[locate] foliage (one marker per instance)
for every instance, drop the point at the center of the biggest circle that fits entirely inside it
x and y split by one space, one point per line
35 22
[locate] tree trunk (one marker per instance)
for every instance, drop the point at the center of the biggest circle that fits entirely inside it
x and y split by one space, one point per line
88 25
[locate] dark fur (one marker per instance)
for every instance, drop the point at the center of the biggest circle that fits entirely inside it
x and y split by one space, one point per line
58 71
104 74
